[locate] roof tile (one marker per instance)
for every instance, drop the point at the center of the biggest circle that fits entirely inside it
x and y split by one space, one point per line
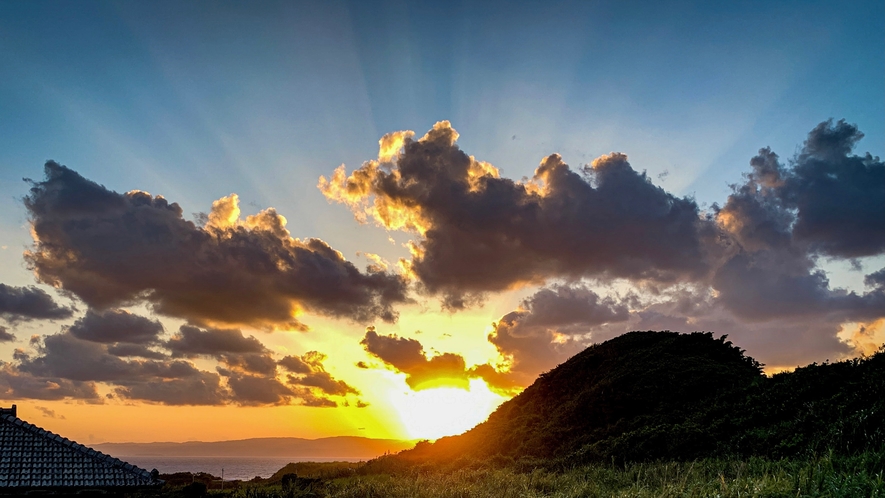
32 458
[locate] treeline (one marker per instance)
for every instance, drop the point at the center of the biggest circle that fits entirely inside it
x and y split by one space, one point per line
652 396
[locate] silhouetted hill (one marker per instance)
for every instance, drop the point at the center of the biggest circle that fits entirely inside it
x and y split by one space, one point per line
665 395
330 447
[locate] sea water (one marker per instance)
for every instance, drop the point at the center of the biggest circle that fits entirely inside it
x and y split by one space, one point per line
242 468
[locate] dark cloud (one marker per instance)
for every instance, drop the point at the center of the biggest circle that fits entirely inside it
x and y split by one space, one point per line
136 350
295 364
762 286
26 303
193 341
114 325
257 390
71 366
875 279
15 384
549 327
570 309
202 388
824 202
256 363
530 351
839 198
6 335
754 215
63 355
308 371
479 232
113 249
79 363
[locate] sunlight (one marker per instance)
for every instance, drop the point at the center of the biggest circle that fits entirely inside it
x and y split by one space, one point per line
444 411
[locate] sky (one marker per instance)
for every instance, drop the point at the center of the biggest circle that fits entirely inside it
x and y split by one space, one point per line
222 220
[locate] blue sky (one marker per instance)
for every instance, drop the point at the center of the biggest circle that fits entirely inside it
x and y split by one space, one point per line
192 99
198 100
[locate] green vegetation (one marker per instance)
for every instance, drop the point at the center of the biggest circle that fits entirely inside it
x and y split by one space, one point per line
645 414
824 476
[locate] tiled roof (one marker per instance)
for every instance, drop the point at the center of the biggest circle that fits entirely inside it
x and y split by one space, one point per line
34 458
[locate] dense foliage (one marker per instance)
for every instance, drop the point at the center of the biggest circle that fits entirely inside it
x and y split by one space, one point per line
667 396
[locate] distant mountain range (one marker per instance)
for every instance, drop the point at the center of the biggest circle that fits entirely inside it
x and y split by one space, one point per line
349 447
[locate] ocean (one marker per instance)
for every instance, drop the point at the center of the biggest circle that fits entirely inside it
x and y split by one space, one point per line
242 468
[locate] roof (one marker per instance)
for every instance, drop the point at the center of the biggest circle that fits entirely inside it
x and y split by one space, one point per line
34 458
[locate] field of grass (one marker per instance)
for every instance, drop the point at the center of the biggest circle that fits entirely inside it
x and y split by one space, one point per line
824 476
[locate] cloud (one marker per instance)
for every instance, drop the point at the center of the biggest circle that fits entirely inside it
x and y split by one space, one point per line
136 350
115 325
838 197
865 338
750 269
258 390
754 262
875 279
308 371
256 363
550 326
63 355
479 232
407 356
308 383
309 398
49 413
15 384
6 335
783 341
63 366
202 388
114 249
27 303
824 202
79 364
570 309
530 352
193 341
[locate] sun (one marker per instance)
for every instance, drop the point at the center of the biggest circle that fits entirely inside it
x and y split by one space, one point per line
444 411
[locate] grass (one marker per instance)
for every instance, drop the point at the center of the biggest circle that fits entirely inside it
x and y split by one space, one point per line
823 476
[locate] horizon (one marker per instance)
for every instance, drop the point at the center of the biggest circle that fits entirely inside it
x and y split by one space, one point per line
383 220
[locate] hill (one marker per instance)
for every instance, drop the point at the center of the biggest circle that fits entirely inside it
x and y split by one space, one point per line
348 447
664 395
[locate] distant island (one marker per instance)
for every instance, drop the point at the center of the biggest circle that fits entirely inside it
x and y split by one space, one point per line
345 447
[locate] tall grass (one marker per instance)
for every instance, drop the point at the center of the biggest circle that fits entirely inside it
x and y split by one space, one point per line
823 476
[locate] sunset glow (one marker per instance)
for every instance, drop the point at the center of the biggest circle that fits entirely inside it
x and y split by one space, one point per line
444 411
